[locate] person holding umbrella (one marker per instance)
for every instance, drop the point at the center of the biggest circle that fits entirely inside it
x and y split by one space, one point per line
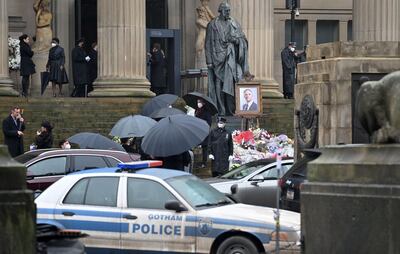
202 113
220 148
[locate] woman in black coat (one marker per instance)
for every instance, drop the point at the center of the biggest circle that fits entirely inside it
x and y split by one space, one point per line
27 65
44 136
80 69
56 66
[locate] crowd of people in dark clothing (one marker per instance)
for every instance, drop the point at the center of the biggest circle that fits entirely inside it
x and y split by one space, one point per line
84 67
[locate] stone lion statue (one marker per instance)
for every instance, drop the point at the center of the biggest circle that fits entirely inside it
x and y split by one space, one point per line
378 108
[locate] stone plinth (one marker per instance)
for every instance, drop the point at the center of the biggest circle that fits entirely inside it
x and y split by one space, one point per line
328 78
17 210
352 199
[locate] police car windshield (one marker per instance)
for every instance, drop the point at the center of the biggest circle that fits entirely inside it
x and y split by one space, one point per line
198 193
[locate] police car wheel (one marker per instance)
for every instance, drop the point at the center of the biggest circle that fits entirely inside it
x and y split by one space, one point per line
237 245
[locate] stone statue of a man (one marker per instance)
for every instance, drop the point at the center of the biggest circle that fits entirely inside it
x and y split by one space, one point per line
226 49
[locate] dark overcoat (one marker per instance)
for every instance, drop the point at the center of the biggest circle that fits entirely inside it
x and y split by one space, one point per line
92 70
157 64
44 140
288 70
177 162
206 116
14 142
79 66
56 65
27 65
221 146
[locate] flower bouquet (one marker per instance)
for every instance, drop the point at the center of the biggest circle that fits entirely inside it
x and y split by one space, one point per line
255 144
14 54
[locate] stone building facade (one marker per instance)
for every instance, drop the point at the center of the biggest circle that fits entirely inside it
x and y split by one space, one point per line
266 23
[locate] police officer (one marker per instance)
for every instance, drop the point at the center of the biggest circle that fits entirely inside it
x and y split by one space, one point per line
220 148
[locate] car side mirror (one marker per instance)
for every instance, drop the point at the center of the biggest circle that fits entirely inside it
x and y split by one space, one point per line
29 175
257 179
234 189
174 205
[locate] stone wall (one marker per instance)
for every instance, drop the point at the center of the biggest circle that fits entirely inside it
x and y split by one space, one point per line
72 115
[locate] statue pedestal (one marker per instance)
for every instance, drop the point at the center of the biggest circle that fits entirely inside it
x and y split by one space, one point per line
352 200
40 60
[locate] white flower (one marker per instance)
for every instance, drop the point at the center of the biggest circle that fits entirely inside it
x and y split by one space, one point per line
14 58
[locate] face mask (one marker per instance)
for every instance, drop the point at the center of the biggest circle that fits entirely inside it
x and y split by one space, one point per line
220 125
53 44
199 105
67 146
292 49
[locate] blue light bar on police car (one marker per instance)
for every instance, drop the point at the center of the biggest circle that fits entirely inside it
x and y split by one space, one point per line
139 164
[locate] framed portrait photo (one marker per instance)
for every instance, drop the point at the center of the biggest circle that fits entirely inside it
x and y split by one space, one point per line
248 99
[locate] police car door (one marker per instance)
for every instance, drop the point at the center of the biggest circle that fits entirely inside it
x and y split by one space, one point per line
92 206
151 226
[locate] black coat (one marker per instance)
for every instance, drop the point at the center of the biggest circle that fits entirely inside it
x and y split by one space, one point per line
44 140
92 70
27 65
157 64
55 65
221 146
206 116
14 142
79 66
288 70
177 162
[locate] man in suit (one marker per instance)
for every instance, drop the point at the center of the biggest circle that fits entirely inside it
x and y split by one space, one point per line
13 127
249 104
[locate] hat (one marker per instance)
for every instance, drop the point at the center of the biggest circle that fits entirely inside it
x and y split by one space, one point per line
292 43
221 120
47 125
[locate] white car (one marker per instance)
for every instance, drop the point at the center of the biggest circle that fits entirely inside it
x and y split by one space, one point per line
156 210
256 182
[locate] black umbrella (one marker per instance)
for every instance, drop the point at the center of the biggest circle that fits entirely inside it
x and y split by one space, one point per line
94 141
132 126
158 102
44 78
191 100
174 135
164 112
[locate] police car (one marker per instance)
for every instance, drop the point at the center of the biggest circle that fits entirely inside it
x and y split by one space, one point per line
139 209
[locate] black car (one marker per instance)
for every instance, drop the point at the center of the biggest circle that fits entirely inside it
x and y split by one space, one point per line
292 181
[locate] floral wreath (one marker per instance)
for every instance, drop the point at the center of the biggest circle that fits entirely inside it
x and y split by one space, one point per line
14 54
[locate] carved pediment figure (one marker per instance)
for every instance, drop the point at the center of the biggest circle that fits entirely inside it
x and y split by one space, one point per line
204 15
43 18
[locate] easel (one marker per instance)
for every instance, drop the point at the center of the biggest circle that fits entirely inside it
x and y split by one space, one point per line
249 122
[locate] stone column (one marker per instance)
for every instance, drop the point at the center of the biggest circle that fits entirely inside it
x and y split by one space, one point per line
343 30
376 20
122 49
6 84
312 32
257 20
